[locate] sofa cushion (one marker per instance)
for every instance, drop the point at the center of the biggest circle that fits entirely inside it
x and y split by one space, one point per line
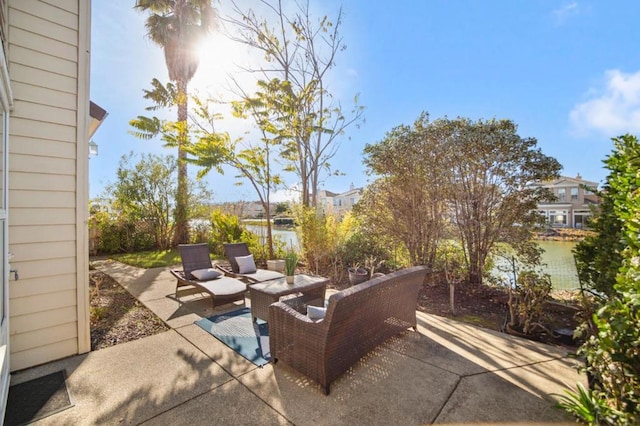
316 313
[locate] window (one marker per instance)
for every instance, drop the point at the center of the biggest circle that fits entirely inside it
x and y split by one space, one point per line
558 218
574 193
562 194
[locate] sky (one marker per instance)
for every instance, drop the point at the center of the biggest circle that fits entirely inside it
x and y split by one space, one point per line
566 72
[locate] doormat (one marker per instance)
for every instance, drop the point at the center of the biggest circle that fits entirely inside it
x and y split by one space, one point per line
37 398
238 331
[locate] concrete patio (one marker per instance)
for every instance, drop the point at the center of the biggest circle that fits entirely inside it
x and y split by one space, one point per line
450 372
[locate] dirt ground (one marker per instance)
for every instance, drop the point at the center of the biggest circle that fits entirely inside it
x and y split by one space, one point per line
486 306
117 317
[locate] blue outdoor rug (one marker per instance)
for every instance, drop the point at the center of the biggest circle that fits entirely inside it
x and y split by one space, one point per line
237 331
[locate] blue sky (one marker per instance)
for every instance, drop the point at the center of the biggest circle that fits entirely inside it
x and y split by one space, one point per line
566 72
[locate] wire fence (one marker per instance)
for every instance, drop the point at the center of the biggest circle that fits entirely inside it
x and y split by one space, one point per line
563 274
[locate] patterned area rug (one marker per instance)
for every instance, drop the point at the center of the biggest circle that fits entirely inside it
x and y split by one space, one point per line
237 331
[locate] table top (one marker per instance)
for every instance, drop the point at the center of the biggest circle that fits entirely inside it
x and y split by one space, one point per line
279 286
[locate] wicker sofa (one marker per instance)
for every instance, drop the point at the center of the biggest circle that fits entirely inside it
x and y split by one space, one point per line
357 320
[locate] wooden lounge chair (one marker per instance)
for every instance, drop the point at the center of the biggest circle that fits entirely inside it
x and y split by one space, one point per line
195 259
234 250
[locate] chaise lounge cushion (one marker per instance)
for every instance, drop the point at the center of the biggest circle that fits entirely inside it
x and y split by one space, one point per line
196 260
223 286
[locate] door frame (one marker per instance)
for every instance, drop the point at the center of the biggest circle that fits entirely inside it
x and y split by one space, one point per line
6 105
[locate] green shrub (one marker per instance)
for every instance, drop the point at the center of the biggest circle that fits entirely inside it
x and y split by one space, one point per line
612 350
587 406
226 228
322 238
117 234
532 293
199 232
368 251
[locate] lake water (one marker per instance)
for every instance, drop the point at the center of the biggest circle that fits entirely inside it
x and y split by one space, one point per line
288 236
560 264
557 261
557 256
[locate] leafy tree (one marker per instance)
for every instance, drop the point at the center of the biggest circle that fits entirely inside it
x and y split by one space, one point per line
282 208
599 256
253 161
491 172
407 200
480 174
299 52
178 26
145 192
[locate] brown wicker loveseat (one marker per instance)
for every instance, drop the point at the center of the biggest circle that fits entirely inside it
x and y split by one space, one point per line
357 320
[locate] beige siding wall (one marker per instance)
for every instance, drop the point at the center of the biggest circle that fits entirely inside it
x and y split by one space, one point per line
43 64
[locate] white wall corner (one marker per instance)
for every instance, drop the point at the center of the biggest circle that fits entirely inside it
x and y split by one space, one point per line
82 176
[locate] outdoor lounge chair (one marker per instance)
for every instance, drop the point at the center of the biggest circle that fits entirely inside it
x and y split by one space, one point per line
234 250
196 261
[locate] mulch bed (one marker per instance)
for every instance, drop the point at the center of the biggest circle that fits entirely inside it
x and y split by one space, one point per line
117 316
486 306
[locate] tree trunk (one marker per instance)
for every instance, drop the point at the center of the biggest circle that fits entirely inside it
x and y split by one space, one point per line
475 268
181 215
267 210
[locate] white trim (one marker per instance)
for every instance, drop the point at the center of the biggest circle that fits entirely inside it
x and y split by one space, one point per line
5 361
6 95
82 176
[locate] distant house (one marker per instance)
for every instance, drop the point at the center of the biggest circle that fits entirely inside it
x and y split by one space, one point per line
573 205
245 209
46 123
339 203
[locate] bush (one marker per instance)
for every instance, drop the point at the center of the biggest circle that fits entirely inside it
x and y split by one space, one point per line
612 350
226 228
322 238
366 250
532 293
117 234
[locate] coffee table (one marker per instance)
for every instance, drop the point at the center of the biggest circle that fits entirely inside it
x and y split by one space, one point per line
267 292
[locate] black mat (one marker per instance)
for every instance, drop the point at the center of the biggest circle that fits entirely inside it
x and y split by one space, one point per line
37 398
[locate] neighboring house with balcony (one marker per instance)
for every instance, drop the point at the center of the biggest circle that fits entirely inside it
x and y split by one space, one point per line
46 123
573 205
339 203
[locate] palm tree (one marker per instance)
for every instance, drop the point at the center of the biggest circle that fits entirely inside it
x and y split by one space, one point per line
178 26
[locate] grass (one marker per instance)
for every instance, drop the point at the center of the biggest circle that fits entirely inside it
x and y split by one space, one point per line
476 320
150 259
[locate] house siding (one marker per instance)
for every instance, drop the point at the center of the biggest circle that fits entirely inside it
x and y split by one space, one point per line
48 81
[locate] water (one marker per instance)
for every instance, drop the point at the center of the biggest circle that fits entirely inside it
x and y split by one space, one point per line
557 261
288 236
560 264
